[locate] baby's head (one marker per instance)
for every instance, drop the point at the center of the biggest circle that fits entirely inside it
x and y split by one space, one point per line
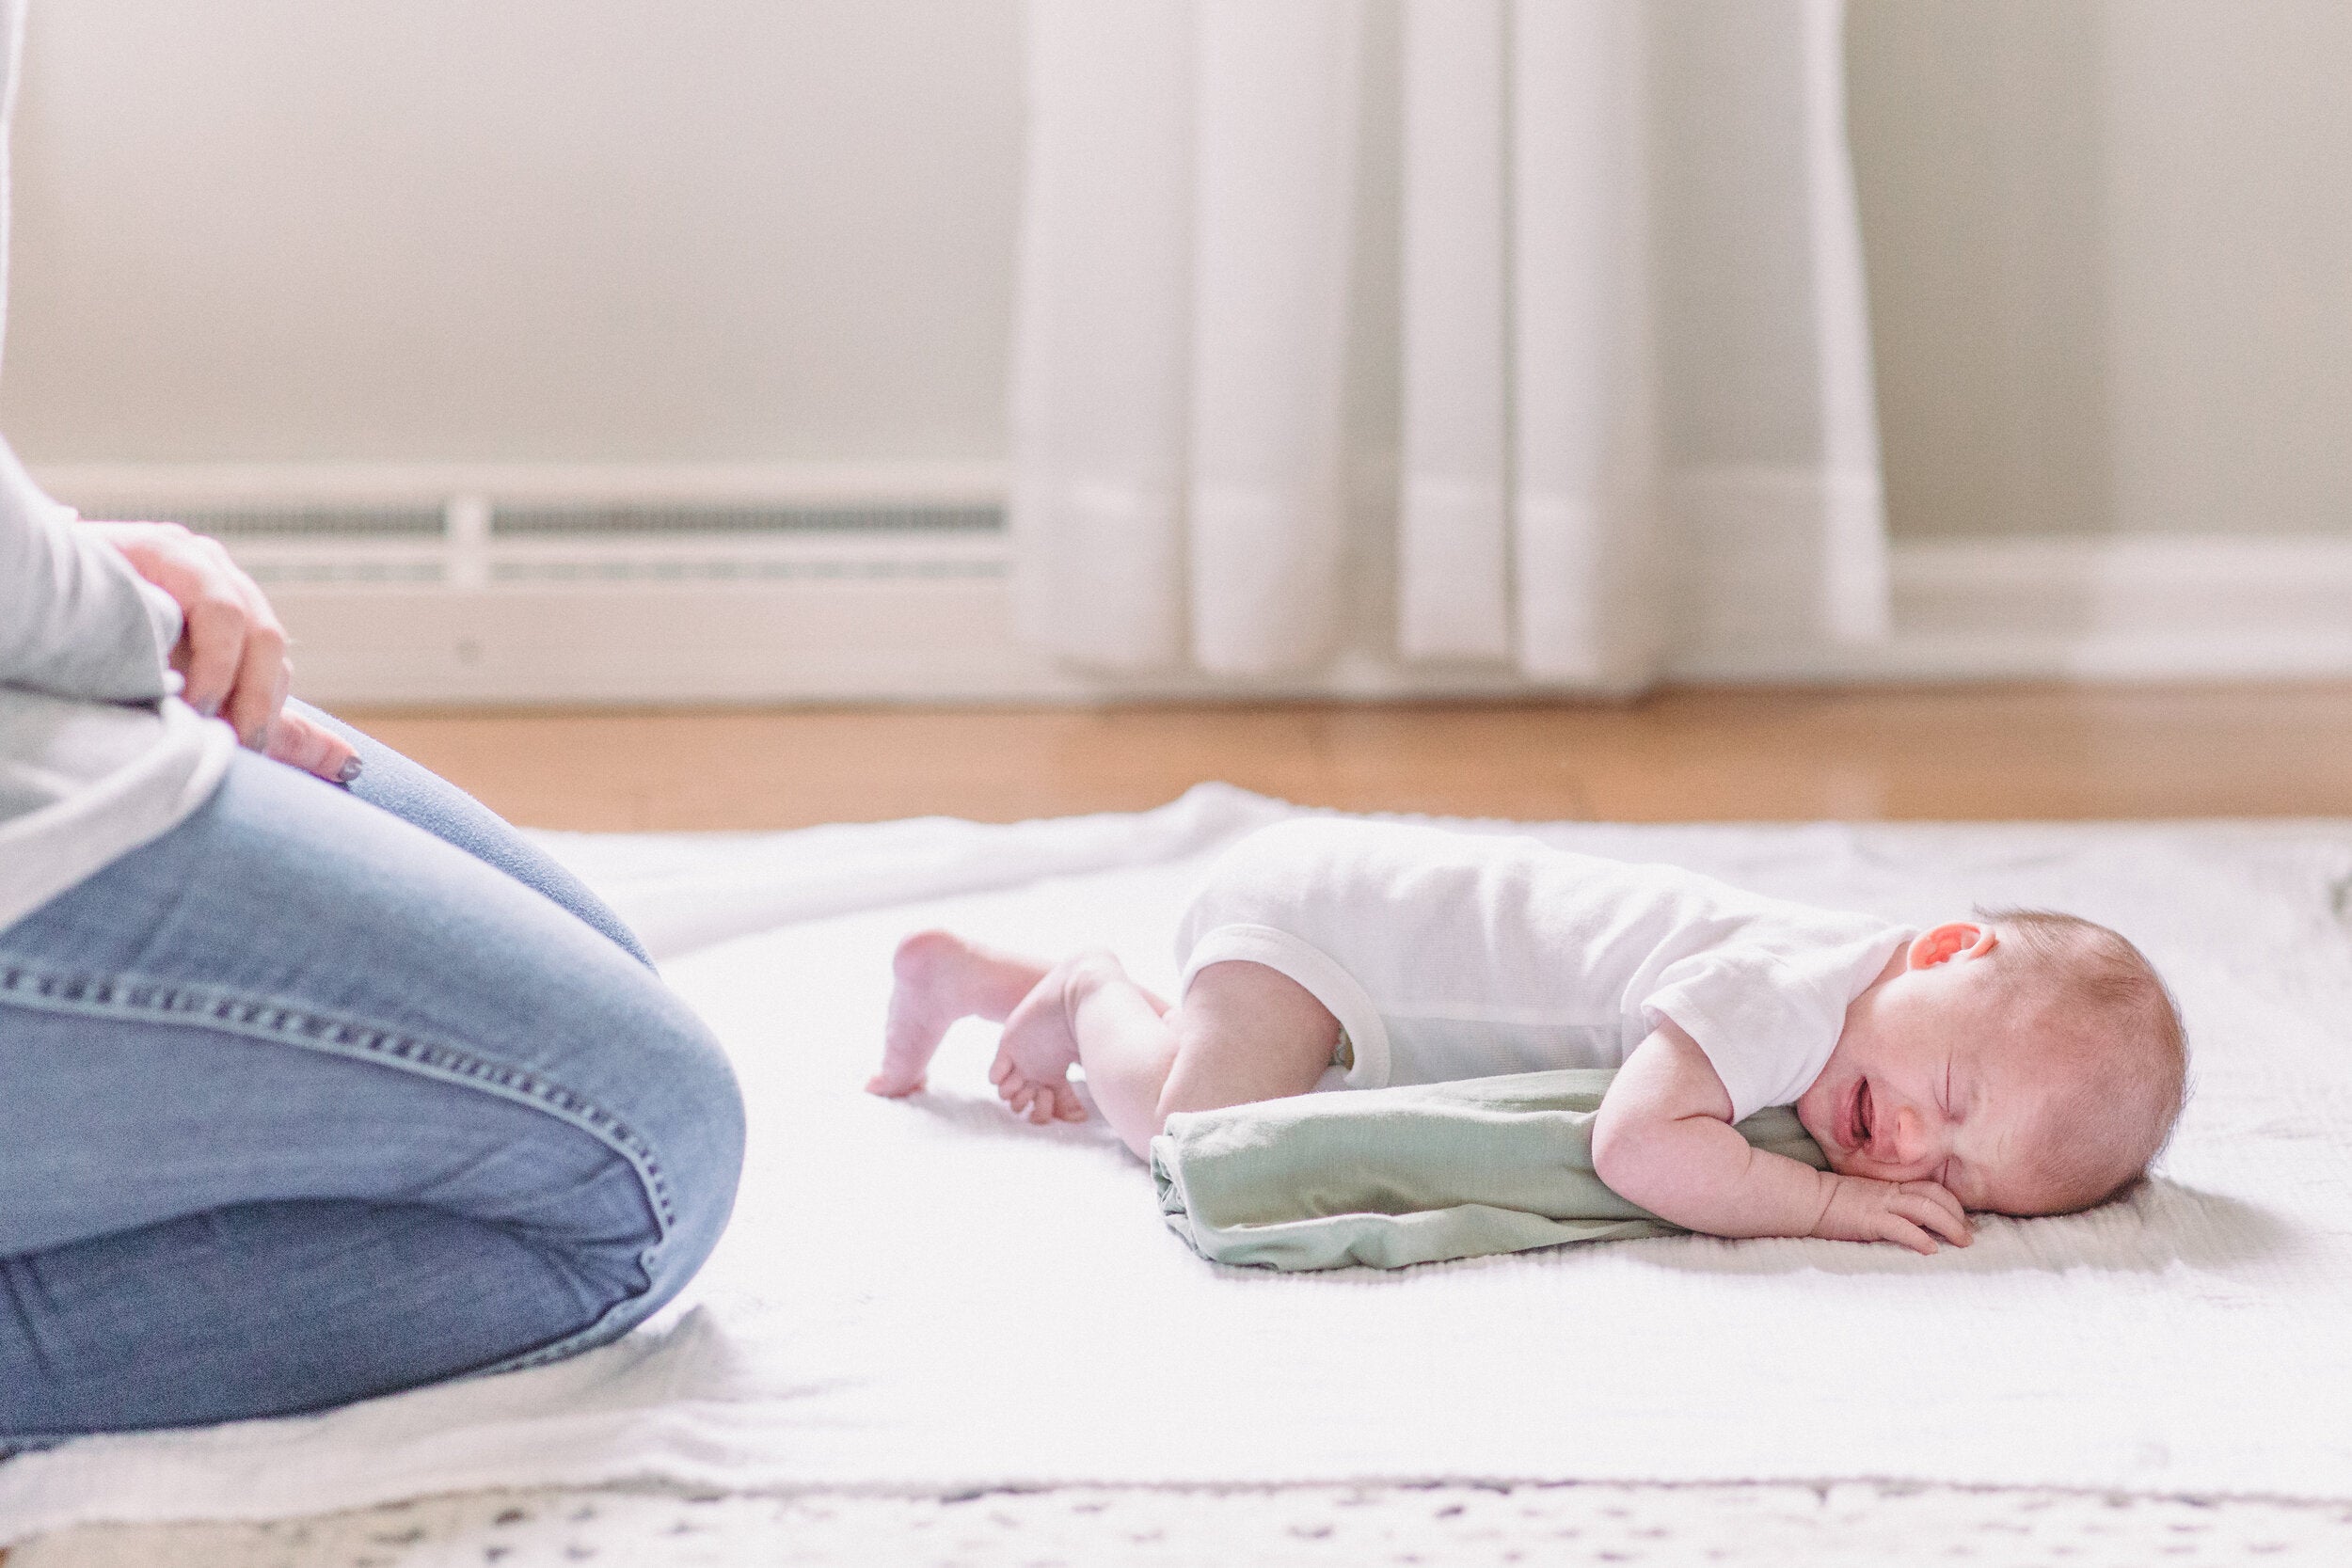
2031 1062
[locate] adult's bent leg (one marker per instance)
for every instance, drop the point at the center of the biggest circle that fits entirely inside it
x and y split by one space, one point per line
417 795
306 1105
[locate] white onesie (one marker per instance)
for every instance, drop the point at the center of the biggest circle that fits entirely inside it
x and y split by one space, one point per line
1447 954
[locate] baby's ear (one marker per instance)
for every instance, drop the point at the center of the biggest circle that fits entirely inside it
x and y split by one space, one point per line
1954 939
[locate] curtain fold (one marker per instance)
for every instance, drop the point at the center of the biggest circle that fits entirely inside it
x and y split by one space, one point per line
1453 533
1854 579
1635 421
1585 469
1102 355
1273 196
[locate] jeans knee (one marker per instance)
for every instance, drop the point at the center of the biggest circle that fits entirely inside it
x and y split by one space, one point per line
679 1115
699 1141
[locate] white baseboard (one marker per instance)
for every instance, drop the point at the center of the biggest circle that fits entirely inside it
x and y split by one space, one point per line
2050 607
905 618
2144 611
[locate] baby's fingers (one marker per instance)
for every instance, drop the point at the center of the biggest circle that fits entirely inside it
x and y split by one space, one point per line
1905 1233
1939 1210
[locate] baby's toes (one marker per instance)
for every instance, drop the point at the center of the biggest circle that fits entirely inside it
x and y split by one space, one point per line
1067 1107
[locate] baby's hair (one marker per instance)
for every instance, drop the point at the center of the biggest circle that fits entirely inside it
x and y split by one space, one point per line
2100 979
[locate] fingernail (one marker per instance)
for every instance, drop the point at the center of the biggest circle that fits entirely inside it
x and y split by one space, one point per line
350 771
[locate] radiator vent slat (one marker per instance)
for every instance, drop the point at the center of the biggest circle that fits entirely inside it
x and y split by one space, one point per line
300 522
576 521
722 570
745 519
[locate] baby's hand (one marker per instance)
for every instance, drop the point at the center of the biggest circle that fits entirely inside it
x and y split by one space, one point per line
1914 1213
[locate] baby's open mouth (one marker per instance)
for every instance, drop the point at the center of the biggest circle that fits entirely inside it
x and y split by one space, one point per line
1858 1118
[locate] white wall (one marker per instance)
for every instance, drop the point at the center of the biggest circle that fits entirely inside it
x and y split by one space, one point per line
2109 242
2109 245
513 230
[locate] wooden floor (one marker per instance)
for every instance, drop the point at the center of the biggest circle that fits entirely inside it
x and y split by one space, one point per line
1978 753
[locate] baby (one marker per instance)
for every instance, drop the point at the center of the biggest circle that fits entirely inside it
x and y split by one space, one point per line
2021 1062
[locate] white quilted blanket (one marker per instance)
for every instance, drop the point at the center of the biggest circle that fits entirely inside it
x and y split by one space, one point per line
928 1296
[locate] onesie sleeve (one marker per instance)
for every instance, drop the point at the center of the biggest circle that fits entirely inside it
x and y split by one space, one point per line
1768 1020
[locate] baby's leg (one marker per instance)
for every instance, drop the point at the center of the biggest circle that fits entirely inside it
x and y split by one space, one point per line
938 978
1244 1033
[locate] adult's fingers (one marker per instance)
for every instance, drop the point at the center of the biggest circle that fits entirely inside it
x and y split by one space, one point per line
262 675
233 651
298 743
217 624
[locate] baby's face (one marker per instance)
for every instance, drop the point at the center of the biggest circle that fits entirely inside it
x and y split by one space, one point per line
1935 1078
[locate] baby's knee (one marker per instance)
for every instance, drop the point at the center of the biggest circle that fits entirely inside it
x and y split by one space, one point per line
1246 1031
1239 997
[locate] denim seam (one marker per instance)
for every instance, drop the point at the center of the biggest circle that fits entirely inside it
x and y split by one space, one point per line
300 1026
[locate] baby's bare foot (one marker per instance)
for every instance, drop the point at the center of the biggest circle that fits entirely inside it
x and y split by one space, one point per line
1039 1047
938 978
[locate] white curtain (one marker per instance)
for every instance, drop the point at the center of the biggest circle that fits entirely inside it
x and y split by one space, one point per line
1635 431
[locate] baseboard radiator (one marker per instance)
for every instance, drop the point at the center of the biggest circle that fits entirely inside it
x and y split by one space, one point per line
473 542
590 587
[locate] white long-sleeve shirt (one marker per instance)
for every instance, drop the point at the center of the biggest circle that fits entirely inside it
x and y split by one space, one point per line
97 755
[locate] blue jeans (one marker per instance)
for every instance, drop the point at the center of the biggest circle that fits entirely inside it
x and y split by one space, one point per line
326 1094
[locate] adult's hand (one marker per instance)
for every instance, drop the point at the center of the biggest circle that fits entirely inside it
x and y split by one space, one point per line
232 650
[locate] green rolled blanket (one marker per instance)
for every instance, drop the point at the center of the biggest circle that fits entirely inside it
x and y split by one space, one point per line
1410 1175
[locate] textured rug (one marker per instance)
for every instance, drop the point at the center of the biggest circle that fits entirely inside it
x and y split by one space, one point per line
929 1298
1845 1524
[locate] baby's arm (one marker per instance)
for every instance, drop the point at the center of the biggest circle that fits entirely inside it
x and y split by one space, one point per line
1664 1139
